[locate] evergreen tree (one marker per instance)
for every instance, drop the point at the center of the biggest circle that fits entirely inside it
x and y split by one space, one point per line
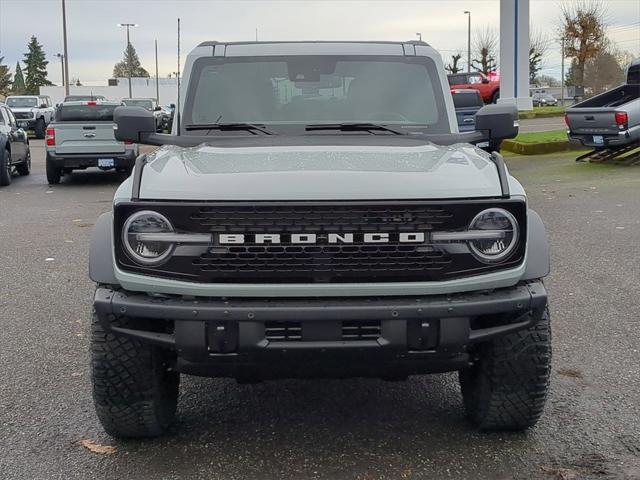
130 59
18 81
35 67
5 78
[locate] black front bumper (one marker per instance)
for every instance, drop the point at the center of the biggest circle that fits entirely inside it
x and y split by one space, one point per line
85 160
386 337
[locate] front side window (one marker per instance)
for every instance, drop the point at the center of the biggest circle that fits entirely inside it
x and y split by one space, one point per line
303 90
148 104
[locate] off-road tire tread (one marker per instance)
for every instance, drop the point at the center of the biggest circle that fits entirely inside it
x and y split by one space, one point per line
53 174
40 129
24 168
507 388
5 177
134 395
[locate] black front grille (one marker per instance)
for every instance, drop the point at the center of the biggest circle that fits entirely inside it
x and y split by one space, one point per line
283 331
319 262
23 115
348 331
359 331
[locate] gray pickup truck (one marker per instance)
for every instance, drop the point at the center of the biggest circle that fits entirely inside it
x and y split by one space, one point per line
610 120
82 136
317 213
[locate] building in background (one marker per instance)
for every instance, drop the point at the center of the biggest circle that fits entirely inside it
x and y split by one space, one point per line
118 88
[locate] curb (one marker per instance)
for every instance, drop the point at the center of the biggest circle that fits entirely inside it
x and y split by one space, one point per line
539 148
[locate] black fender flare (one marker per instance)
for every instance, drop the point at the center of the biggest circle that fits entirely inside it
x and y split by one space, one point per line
538 251
101 251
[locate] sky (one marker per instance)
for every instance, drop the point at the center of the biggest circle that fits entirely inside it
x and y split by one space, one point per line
96 43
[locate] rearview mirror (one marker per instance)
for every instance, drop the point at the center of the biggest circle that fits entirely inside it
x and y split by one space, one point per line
499 121
132 123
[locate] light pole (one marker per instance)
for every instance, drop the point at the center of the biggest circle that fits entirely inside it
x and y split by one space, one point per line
66 53
61 57
419 34
467 12
128 53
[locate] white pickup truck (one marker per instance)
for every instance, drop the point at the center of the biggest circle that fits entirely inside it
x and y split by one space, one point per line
33 112
82 136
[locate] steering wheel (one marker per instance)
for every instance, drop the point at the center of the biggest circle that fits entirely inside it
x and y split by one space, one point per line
377 116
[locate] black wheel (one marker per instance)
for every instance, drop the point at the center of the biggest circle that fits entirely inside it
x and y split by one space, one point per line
40 128
53 173
495 97
25 167
5 167
134 392
506 388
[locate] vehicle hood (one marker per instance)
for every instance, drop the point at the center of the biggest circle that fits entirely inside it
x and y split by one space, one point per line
319 173
23 109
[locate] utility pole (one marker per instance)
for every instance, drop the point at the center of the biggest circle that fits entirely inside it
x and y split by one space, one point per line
467 12
61 57
128 53
562 75
66 53
177 115
157 84
419 34
256 34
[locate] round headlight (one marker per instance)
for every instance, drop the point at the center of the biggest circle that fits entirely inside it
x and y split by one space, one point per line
498 247
146 252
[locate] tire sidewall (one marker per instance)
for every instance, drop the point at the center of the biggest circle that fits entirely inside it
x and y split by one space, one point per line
5 174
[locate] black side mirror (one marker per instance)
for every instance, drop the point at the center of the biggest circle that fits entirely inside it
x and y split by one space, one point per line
485 80
499 121
43 105
132 123
157 109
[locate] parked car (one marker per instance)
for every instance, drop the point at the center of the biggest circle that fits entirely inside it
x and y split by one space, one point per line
611 119
467 103
82 137
33 112
543 100
149 104
15 153
308 218
489 87
84 98
166 122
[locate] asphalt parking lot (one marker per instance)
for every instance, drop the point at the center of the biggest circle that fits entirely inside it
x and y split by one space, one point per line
328 429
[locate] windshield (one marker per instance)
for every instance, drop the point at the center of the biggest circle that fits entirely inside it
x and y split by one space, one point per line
22 102
303 90
81 113
148 104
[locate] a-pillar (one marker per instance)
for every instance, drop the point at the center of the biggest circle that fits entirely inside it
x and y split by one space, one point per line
514 53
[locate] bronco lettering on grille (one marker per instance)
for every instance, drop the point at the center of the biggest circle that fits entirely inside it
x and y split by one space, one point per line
315 238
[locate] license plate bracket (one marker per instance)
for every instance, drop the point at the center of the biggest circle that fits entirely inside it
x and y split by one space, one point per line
598 139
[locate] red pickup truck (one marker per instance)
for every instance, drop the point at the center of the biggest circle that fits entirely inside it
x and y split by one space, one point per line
489 87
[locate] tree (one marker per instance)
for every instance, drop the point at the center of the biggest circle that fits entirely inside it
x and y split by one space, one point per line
485 48
604 71
18 81
35 67
453 66
538 46
582 25
547 81
5 78
121 69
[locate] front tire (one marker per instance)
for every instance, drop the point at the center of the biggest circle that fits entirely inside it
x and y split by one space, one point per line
5 167
506 388
40 128
53 173
134 392
495 97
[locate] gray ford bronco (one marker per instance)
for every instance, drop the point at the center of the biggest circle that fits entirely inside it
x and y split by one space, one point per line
315 212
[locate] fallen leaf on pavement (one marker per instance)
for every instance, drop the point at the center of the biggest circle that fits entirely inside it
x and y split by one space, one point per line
561 473
97 448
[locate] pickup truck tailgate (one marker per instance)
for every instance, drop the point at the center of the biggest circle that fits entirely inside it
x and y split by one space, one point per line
98 137
591 121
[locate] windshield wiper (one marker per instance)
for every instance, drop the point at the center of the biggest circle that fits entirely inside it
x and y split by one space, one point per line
352 127
228 126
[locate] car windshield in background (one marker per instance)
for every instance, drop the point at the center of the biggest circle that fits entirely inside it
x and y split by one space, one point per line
82 113
148 104
83 98
306 90
22 102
